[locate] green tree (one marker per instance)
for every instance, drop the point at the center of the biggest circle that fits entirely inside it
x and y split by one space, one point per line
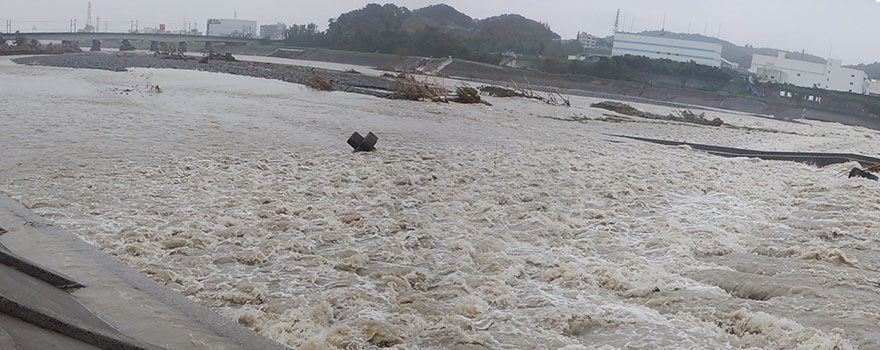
304 35
372 28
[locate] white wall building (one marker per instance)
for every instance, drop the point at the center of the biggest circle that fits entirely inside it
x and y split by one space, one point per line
830 76
273 31
874 87
667 46
232 27
588 41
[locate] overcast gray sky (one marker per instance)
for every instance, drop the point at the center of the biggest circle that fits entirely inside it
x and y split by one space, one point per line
845 29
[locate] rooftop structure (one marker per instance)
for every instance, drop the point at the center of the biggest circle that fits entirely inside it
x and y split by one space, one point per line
667 46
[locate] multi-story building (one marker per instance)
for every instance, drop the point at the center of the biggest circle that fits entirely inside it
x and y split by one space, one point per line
587 40
232 27
667 46
829 76
273 31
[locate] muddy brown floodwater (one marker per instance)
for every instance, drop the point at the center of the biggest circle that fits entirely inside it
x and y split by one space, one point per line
513 226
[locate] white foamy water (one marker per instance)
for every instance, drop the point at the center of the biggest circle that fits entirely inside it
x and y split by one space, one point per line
471 227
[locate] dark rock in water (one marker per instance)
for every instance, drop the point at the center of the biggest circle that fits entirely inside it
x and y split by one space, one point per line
856 172
363 144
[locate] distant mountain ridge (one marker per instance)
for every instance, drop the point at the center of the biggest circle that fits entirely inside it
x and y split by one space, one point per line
507 32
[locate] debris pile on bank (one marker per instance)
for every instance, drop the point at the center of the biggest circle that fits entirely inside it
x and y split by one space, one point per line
685 116
467 94
319 83
410 88
553 97
211 56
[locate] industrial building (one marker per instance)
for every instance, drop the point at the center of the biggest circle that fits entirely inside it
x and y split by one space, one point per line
874 87
667 46
232 27
829 76
588 41
273 31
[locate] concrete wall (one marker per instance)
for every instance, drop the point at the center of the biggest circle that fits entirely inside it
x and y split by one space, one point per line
830 76
668 47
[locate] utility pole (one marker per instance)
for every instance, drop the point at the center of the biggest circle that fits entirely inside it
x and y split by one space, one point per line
616 22
663 27
97 24
89 26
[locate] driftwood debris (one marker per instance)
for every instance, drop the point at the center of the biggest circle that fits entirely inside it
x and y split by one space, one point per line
173 55
211 56
412 89
317 82
856 172
467 94
686 116
553 97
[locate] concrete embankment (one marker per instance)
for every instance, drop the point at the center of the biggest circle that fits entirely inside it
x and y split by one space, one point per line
109 306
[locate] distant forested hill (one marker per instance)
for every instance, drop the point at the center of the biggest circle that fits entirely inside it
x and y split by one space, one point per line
438 30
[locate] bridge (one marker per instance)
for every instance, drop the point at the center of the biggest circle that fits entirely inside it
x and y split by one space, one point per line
155 38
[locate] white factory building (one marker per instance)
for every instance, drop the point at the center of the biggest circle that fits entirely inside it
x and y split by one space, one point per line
667 46
829 76
273 31
873 87
232 27
587 40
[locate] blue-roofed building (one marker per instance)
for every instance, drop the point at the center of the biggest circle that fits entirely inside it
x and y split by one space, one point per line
667 46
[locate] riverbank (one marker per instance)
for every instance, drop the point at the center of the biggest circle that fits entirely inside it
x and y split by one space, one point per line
15 50
119 62
734 99
460 70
